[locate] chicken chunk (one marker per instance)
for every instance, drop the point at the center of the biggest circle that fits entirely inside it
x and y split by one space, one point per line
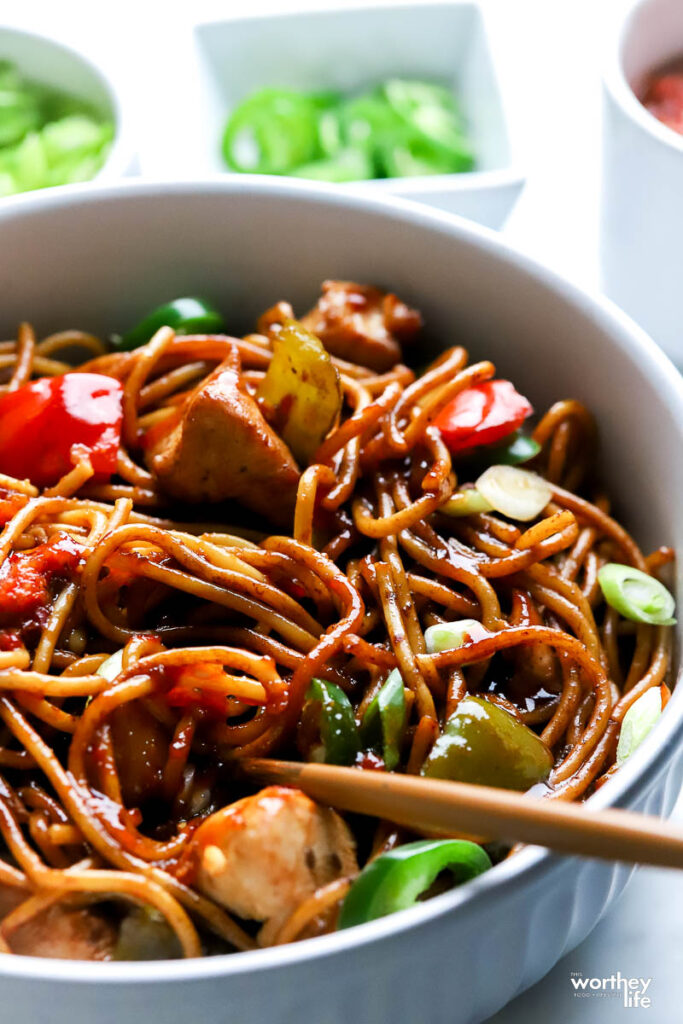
67 934
222 449
362 324
262 856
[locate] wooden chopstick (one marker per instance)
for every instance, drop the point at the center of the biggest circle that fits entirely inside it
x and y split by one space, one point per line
456 807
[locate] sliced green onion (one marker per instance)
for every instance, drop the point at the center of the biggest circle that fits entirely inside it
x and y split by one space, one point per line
446 636
396 879
516 493
338 730
384 722
467 502
638 721
516 450
188 315
112 667
636 595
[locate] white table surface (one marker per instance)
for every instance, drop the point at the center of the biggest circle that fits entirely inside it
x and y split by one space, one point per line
549 54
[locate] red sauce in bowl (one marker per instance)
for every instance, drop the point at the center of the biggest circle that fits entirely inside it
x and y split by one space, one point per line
664 97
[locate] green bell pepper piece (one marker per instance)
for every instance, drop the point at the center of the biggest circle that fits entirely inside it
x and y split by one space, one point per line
517 449
188 315
484 744
395 880
385 719
338 730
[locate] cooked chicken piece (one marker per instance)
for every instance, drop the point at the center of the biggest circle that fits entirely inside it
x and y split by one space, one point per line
66 934
223 448
262 856
362 324
10 898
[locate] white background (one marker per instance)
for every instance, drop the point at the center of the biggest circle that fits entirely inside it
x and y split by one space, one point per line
549 55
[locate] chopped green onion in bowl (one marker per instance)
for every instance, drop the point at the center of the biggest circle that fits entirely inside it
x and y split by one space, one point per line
635 595
401 128
47 137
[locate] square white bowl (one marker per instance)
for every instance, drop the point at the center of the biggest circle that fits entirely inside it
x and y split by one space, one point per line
347 50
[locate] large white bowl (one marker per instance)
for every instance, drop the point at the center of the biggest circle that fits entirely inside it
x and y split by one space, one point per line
96 259
642 197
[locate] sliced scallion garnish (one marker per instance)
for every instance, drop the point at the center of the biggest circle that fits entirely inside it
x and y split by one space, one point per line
635 595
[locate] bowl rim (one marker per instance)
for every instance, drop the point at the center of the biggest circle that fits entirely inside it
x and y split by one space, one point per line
634 778
510 175
120 157
617 86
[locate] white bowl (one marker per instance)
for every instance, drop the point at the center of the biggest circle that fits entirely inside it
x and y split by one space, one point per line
642 193
245 243
346 49
52 63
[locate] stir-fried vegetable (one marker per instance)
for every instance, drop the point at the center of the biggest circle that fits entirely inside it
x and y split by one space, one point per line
396 879
484 744
467 502
635 595
46 424
399 129
384 722
145 935
516 493
46 137
482 414
339 740
446 636
188 315
301 390
112 667
517 449
638 721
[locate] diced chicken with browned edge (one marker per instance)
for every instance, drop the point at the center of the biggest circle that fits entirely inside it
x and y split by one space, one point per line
362 324
222 449
263 855
66 933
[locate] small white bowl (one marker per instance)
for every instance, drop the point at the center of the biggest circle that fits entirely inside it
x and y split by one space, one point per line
246 242
52 63
345 49
642 193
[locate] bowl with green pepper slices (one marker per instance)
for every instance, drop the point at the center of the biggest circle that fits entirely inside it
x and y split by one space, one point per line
395 99
62 118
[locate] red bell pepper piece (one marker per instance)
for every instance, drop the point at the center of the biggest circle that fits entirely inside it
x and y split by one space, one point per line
482 414
41 423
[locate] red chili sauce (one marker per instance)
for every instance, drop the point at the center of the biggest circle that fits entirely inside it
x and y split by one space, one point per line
25 578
